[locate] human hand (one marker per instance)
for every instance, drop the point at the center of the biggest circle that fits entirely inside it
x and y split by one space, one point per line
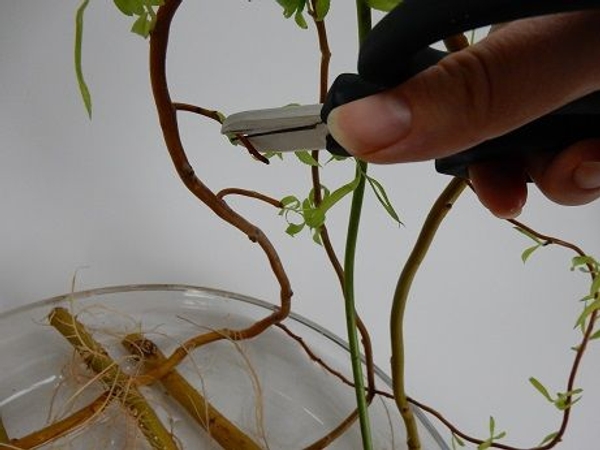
522 71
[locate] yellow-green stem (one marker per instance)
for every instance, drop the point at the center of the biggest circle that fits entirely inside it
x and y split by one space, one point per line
97 359
435 217
4 439
221 429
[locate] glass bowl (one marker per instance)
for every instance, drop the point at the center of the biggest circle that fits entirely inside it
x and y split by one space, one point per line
267 386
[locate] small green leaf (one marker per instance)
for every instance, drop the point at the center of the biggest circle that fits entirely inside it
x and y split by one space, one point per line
383 5
566 400
587 311
322 8
289 200
300 20
595 287
305 157
596 335
383 198
273 154
548 438
314 217
584 261
456 441
317 237
338 194
83 88
289 7
528 252
294 228
485 444
492 425
142 26
130 7
541 389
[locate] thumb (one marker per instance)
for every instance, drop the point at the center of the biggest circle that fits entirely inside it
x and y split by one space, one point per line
523 71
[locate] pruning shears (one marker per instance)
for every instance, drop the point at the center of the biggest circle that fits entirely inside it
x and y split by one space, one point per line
406 32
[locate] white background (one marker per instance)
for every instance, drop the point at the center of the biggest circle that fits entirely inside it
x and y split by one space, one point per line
103 194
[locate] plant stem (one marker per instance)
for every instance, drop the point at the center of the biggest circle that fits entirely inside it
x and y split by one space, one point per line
69 424
363 14
221 429
4 439
351 320
435 217
97 359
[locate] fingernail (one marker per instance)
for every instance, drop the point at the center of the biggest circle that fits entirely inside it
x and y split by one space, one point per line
371 123
587 175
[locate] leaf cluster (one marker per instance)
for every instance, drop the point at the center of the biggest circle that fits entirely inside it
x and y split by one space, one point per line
143 10
589 265
312 215
296 8
562 400
493 436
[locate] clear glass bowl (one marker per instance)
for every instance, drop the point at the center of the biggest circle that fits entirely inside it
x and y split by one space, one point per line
298 401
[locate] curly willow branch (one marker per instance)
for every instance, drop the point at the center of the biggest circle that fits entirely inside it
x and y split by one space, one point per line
167 113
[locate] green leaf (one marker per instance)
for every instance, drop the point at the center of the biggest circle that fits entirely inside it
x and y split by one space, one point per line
596 335
492 426
300 20
383 5
314 217
272 154
456 441
485 444
142 26
130 7
305 157
541 389
548 439
289 7
587 311
83 88
527 253
290 201
317 237
294 228
321 9
579 261
595 287
383 198
338 194
567 399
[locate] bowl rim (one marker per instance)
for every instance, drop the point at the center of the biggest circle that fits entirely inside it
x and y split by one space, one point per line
174 287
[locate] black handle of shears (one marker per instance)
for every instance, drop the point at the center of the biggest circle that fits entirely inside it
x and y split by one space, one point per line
398 48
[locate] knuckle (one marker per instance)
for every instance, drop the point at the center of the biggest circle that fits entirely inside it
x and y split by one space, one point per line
474 86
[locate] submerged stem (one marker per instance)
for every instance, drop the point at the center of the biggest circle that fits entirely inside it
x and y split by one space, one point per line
221 429
97 359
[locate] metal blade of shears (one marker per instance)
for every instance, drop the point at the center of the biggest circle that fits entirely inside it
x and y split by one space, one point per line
285 129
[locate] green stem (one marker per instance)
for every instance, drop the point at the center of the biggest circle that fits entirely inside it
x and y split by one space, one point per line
349 260
435 217
363 14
